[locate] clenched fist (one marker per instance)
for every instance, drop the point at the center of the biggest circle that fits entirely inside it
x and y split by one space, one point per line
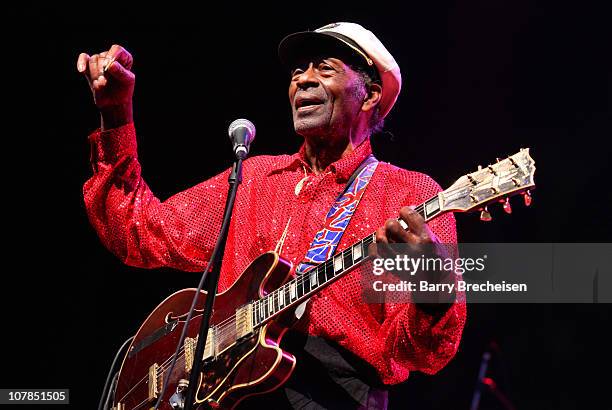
112 83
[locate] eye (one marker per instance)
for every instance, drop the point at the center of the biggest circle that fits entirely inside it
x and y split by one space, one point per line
296 72
325 67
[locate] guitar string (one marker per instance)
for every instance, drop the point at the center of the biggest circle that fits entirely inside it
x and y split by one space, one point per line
142 403
222 329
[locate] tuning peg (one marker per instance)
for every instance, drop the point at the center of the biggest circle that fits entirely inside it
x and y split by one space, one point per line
527 198
485 215
498 159
507 207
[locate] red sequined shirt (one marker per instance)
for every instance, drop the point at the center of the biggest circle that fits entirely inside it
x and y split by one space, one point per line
395 338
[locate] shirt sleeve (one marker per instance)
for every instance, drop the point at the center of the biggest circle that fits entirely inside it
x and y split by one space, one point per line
135 225
413 338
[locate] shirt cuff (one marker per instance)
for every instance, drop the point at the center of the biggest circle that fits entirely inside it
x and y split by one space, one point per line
108 146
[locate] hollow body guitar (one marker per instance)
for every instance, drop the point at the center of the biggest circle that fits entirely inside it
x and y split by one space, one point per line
242 356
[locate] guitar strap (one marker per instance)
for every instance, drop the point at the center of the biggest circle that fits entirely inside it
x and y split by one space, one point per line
326 240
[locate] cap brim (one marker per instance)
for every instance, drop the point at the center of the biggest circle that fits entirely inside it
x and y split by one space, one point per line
297 47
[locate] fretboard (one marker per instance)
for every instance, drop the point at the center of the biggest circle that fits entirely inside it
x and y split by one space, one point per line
304 286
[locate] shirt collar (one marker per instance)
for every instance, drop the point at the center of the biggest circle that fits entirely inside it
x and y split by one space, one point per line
343 168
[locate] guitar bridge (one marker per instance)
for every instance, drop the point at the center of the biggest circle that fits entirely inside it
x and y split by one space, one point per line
154 381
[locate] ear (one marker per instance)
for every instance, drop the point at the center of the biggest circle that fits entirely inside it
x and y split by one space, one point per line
373 98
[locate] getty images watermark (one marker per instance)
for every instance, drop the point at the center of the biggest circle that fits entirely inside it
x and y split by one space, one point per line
491 273
421 264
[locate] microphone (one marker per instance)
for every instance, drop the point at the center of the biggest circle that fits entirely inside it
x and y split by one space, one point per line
241 133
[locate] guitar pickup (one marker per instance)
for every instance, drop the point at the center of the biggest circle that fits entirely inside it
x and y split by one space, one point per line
190 345
244 321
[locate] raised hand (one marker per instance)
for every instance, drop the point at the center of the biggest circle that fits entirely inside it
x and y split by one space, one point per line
112 82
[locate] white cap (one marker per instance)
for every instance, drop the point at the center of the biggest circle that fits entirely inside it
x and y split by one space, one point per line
356 40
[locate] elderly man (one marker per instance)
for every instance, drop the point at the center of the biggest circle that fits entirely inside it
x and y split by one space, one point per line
343 84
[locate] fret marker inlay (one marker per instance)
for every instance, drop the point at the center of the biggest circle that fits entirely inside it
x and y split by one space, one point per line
313 278
338 263
357 252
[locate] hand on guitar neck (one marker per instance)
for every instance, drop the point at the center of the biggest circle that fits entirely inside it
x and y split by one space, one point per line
411 229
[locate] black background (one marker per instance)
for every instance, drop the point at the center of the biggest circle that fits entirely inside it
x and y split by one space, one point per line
481 80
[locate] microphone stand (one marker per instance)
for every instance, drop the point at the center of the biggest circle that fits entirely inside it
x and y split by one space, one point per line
489 383
213 271
482 372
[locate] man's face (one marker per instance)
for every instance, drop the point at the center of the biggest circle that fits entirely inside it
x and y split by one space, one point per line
326 96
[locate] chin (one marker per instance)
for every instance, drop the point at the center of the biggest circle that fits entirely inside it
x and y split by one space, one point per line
307 128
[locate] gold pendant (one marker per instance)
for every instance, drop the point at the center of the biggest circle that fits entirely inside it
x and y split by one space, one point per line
300 185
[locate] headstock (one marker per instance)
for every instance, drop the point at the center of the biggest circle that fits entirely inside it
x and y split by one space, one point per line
497 182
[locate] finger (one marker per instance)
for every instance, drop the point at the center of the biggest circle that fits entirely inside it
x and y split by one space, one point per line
395 233
104 61
416 223
82 62
118 73
381 240
373 250
82 67
94 71
120 55
382 243
381 236
101 60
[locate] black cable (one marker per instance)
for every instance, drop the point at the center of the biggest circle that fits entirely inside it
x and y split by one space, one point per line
111 392
101 404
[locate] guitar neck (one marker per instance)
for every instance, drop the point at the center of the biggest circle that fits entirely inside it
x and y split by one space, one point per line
304 286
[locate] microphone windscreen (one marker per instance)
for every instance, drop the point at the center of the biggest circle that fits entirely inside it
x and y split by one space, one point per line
241 123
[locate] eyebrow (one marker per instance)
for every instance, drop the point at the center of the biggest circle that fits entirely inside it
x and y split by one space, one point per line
317 61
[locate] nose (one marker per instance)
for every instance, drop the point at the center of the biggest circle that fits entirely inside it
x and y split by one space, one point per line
307 79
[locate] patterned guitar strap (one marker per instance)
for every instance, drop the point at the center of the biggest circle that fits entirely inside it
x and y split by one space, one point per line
326 240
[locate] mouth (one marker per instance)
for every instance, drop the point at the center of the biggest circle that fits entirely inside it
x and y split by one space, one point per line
303 104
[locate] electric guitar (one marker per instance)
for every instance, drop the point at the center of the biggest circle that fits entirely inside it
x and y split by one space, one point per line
242 356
